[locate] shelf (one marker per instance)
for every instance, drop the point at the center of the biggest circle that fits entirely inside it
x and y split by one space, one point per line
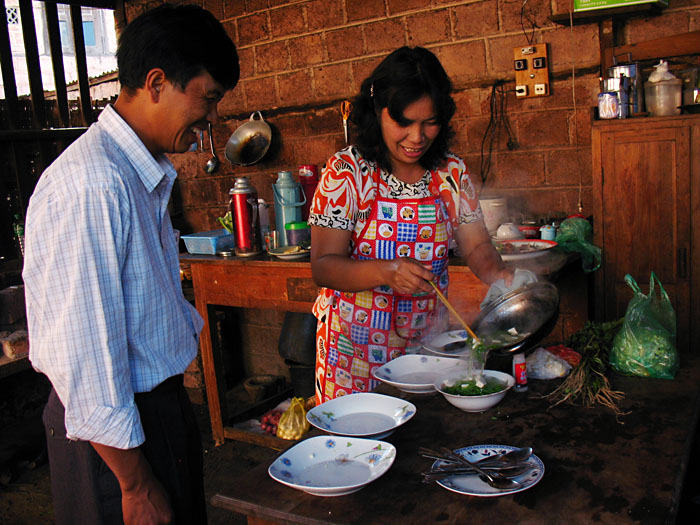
595 15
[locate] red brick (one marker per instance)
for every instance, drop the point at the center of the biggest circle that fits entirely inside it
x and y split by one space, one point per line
230 28
519 170
256 5
322 14
233 8
568 167
385 35
401 6
464 62
260 92
587 88
460 142
361 70
500 53
292 125
253 28
583 126
545 128
333 80
306 50
365 10
538 11
584 46
232 102
215 7
246 61
345 43
669 24
428 27
294 88
475 20
472 102
287 20
324 121
317 150
271 57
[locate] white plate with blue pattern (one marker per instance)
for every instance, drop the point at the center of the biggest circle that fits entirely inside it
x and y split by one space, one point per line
332 465
416 373
473 486
364 414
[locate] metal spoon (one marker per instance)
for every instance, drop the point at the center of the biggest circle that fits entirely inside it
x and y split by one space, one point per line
496 480
510 471
213 162
512 457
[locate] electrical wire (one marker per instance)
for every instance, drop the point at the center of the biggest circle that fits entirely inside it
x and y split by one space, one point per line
573 96
530 20
498 123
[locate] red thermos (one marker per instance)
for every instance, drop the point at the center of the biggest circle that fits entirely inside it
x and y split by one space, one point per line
308 178
246 222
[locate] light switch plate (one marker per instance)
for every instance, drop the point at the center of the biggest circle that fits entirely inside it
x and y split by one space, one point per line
531 65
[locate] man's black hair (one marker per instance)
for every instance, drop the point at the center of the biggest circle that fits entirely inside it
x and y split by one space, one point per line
402 78
184 41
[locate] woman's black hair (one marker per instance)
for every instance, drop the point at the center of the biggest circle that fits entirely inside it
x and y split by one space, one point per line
403 77
184 41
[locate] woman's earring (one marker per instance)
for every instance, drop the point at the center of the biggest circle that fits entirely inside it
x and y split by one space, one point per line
371 90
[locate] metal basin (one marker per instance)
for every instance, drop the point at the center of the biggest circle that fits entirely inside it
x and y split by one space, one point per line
532 310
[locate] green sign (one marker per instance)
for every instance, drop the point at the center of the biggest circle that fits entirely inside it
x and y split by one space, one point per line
588 5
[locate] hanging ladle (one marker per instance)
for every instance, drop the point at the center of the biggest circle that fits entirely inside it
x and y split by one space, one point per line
213 162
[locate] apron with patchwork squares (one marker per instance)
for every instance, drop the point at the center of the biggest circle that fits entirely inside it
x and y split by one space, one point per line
369 328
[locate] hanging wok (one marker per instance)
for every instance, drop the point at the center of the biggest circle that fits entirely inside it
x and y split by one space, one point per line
249 143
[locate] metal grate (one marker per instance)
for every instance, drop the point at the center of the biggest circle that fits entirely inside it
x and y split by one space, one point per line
12 15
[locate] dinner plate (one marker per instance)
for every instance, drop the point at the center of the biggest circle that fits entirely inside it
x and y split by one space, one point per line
332 465
473 486
437 345
364 414
517 250
416 373
280 253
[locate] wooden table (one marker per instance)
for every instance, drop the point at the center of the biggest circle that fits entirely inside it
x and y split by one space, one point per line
266 282
597 470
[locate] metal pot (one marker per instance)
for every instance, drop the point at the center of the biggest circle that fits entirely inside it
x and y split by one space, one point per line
532 309
249 143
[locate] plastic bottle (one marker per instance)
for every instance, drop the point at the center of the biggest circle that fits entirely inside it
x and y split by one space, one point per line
288 202
520 372
308 178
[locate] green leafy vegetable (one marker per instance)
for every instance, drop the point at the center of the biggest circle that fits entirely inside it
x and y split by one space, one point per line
470 388
227 222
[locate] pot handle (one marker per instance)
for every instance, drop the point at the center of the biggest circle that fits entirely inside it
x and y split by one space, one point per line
284 202
252 116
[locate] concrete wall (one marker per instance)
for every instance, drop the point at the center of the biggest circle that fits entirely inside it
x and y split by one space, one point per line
301 58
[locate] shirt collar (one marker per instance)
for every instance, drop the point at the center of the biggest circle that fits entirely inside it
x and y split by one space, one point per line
151 170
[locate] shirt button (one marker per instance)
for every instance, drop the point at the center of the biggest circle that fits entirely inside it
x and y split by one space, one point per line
51 432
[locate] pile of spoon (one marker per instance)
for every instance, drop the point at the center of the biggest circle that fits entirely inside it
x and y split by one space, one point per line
497 470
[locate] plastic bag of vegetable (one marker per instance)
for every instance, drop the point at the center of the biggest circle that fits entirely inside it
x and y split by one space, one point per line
646 343
574 235
293 423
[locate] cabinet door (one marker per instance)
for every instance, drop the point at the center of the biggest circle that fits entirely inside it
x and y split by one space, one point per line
644 184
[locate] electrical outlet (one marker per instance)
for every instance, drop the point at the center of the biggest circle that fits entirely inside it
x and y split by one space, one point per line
531 71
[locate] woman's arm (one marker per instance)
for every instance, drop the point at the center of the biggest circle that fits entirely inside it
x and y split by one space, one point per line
479 253
332 267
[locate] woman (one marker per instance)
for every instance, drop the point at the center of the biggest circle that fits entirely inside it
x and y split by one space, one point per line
381 221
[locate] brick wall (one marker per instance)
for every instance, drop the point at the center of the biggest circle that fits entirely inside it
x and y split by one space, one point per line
301 58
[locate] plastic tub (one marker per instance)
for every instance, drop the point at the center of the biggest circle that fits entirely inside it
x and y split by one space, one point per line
297 232
208 243
663 98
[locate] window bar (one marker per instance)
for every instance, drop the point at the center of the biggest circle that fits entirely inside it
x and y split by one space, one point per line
59 74
8 73
81 63
31 50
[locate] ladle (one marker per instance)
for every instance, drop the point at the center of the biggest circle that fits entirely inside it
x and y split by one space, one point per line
213 162
454 312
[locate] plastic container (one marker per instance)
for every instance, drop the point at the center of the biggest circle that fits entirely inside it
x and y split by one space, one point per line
208 243
663 98
297 232
520 372
288 202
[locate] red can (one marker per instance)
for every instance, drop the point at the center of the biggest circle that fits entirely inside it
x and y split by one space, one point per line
246 222
308 178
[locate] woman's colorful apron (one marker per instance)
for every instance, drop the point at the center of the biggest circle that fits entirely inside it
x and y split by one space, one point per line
369 328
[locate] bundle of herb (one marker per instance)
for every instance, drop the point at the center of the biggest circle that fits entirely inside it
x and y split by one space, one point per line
587 384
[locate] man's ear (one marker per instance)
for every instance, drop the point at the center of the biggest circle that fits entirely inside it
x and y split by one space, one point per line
155 82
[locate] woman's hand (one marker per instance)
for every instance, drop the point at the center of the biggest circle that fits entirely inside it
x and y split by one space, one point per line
408 276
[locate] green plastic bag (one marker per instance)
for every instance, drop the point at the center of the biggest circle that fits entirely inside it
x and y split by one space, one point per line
574 235
646 344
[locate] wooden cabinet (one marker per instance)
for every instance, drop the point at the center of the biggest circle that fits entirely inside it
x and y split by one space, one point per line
646 175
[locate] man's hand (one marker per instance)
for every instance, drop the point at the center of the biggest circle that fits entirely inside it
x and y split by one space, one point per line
144 500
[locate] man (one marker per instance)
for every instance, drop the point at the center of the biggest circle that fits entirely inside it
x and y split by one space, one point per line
108 323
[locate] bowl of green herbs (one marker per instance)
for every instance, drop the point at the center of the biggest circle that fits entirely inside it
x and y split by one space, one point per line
475 394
